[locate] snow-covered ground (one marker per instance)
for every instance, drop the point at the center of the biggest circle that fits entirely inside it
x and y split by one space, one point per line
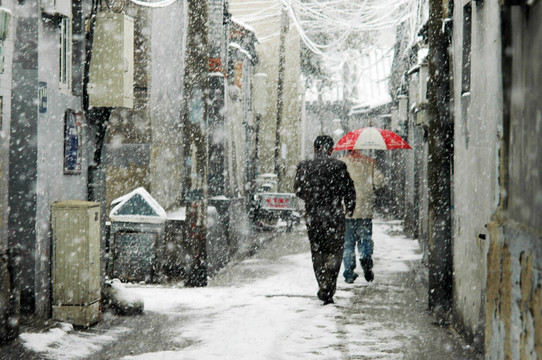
269 312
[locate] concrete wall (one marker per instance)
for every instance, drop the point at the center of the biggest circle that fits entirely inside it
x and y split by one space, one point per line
37 177
129 133
166 89
319 119
9 296
477 116
234 140
5 113
23 159
514 293
267 30
497 248
290 123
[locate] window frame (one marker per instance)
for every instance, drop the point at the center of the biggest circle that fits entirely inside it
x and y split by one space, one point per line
65 54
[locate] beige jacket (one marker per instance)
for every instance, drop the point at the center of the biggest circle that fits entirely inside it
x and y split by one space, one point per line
367 178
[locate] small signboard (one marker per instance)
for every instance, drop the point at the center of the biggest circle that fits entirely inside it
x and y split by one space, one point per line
73 137
277 201
42 97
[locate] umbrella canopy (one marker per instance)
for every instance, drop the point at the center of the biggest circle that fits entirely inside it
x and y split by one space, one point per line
371 138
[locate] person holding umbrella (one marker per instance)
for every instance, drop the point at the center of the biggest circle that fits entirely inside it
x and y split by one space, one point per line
367 178
324 184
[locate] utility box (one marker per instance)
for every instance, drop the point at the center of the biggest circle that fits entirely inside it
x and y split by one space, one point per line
111 73
57 7
76 262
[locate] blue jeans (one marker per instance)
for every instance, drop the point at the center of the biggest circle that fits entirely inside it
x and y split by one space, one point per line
360 232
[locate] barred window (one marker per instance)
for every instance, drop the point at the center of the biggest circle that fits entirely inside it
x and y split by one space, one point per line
65 54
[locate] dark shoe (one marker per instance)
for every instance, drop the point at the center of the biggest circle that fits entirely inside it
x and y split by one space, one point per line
367 266
329 301
369 276
351 279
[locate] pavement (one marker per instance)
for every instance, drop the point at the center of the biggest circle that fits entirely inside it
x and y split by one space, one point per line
384 319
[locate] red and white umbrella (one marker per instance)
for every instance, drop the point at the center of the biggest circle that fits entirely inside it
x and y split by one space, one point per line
371 138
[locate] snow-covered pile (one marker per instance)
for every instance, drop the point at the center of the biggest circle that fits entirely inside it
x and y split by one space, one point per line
120 299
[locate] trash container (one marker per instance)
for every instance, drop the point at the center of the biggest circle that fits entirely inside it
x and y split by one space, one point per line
136 237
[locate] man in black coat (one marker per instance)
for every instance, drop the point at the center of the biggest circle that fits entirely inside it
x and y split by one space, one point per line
325 185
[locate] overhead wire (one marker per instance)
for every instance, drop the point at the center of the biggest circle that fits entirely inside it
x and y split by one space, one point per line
341 18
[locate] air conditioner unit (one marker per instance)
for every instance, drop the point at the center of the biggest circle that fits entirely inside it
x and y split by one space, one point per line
56 7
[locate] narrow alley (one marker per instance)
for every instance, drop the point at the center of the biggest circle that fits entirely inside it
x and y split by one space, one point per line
264 307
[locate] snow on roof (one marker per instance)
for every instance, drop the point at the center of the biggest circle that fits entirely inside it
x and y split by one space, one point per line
413 69
422 55
366 107
219 197
234 45
242 24
137 206
271 175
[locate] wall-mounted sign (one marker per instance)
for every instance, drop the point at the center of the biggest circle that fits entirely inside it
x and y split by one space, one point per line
42 96
73 137
215 65
238 74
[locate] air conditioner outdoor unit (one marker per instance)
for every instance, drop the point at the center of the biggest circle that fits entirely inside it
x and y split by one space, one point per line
57 7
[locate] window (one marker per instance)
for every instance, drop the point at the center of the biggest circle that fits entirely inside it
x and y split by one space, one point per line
467 24
65 54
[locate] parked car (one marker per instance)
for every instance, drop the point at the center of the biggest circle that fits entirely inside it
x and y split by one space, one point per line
268 206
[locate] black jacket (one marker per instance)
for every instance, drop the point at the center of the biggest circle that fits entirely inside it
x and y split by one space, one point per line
324 183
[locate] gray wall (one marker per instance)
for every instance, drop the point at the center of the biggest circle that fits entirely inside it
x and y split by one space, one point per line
477 116
37 177
5 110
23 150
167 58
514 295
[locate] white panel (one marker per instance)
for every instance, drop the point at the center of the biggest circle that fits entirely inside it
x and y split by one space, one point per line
111 75
57 7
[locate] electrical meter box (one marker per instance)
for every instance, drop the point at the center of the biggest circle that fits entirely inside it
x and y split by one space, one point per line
111 73
76 262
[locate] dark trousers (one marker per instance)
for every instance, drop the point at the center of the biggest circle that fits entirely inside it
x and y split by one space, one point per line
326 237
